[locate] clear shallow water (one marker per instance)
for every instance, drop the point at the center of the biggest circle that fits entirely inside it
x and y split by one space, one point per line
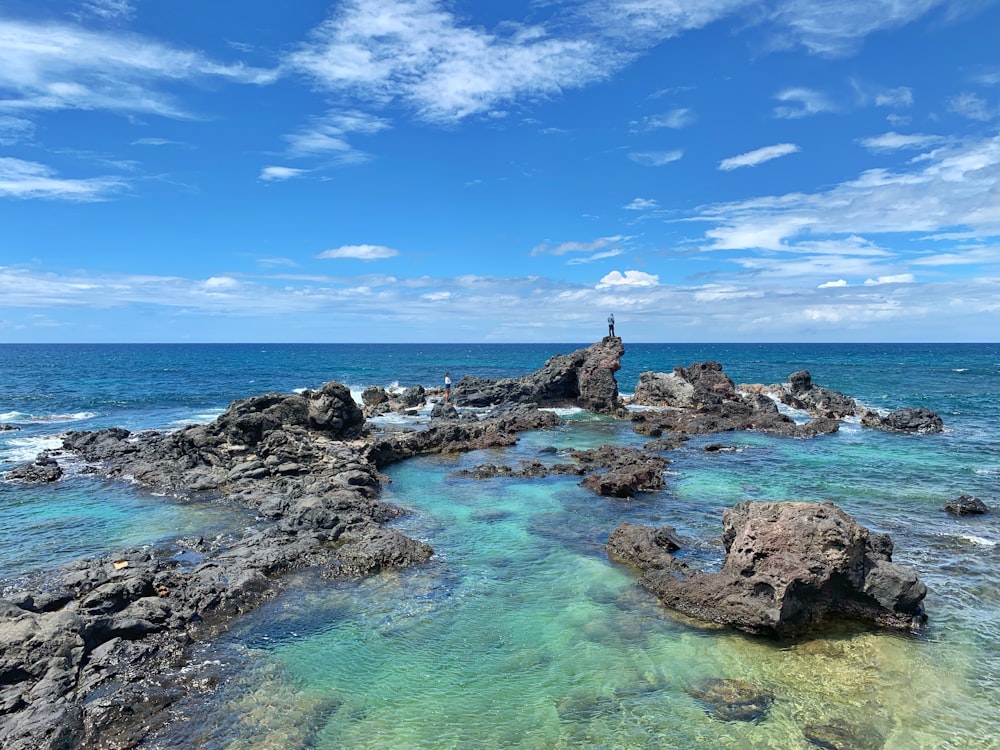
520 633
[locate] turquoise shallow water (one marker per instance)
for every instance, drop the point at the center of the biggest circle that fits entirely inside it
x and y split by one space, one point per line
520 632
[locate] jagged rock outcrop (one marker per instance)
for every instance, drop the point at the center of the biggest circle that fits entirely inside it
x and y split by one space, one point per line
788 567
583 378
699 385
966 505
801 393
701 399
921 421
43 470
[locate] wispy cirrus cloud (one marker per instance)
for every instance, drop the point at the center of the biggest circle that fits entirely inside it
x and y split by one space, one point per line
28 179
109 9
328 136
675 119
893 141
360 252
47 66
758 156
655 158
801 102
576 247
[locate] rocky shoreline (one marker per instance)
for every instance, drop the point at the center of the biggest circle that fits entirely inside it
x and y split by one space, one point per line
84 655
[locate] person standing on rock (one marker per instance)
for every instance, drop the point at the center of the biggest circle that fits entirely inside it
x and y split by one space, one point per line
611 324
447 386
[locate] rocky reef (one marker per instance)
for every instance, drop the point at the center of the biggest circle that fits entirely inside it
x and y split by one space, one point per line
94 655
789 567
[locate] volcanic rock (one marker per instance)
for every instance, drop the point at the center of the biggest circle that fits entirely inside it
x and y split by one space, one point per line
789 567
965 505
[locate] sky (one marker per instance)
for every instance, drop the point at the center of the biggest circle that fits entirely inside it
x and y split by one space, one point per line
499 171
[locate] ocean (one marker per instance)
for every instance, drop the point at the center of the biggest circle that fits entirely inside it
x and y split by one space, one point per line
520 633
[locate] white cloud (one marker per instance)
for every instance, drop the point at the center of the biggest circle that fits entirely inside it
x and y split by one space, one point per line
576 247
109 9
15 130
899 278
27 179
655 158
898 97
596 256
417 52
835 29
629 278
642 204
327 136
221 283
952 188
892 141
832 284
972 106
758 156
801 102
51 66
360 252
269 174
675 119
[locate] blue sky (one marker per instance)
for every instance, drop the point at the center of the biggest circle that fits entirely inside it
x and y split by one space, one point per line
423 170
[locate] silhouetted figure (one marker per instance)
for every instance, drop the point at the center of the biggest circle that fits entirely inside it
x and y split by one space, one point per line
611 324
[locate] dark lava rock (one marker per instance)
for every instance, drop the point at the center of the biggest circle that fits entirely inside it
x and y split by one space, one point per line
628 470
701 384
965 505
732 700
584 378
43 470
790 567
643 546
905 420
8 427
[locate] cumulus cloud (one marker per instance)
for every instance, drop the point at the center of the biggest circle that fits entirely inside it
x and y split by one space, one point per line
758 156
642 204
833 284
655 158
270 174
629 279
899 278
360 252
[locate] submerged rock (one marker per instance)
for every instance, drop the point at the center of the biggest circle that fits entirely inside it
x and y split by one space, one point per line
732 700
839 735
790 567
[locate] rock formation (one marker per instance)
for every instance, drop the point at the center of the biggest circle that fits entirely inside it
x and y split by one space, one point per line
920 421
966 505
583 378
788 567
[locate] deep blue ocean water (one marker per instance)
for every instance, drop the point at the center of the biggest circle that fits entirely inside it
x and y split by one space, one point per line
520 633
